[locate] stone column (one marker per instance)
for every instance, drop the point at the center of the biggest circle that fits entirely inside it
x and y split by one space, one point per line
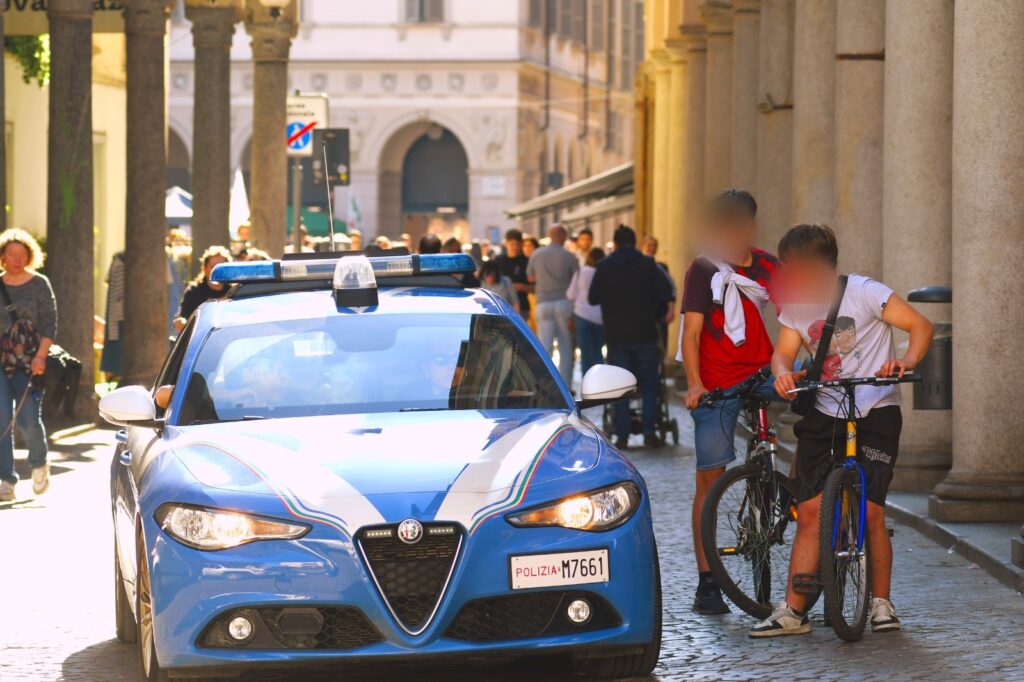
717 16
662 152
775 123
814 101
746 26
860 55
674 247
695 37
3 143
917 167
145 305
987 479
69 190
213 25
271 43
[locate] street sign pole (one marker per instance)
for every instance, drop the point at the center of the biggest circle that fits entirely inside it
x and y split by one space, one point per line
306 113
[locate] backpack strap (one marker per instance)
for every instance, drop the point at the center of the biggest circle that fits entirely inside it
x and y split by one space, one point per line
8 303
814 373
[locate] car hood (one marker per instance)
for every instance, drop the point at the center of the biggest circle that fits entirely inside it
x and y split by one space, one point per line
356 470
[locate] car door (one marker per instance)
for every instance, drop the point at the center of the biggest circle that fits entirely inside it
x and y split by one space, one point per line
134 446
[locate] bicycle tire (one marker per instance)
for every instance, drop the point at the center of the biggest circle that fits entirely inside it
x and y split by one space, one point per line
757 605
847 626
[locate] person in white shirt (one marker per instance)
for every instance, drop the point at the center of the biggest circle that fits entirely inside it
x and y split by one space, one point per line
587 317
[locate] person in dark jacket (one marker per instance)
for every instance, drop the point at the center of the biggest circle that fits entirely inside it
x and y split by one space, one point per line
632 292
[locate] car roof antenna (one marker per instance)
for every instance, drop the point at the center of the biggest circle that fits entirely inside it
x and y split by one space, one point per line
327 184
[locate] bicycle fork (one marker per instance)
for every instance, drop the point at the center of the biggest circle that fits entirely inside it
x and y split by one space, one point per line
850 462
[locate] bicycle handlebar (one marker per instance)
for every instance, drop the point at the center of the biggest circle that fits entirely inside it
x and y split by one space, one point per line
742 390
803 386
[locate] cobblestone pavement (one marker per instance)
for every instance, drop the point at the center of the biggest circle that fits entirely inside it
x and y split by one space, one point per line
56 618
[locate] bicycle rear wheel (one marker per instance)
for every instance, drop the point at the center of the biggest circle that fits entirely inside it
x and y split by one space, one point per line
747 529
845 570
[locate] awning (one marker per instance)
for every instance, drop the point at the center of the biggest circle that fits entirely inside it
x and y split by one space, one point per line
602 207
607 183
178 206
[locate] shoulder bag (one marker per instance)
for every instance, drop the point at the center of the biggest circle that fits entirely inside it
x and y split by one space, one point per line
804 402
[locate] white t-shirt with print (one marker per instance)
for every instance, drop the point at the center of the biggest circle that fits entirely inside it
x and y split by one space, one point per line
861 343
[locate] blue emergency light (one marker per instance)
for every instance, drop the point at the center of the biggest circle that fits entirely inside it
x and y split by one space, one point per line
325 268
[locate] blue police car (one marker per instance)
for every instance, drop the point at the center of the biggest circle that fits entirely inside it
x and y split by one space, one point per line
357 458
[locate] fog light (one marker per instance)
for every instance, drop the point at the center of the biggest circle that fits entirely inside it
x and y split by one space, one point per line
240 628
579 611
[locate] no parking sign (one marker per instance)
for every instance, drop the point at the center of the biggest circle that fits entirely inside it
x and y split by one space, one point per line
305 114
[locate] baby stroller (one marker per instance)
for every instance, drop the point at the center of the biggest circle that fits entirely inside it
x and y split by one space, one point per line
664 423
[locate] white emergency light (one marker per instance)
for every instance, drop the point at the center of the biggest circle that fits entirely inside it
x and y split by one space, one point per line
354 283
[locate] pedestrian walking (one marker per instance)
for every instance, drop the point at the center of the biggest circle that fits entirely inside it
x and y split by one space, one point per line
513 264
23 349
584 243
492 280
550 270
111 360
632 292
202 289
589 325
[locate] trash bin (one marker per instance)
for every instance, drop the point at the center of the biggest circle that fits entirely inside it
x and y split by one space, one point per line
935 391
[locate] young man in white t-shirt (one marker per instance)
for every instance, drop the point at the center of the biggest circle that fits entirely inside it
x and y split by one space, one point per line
862 345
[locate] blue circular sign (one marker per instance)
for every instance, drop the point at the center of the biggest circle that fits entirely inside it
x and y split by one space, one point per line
301 141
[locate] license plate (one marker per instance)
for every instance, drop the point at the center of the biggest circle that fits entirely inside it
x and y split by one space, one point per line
566 568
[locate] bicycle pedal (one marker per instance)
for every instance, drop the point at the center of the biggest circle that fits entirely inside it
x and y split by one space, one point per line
806 583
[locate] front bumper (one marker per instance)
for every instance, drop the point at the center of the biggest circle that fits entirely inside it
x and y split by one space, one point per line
194 591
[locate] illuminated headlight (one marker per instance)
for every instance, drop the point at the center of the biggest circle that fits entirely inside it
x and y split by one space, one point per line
213 529
598 510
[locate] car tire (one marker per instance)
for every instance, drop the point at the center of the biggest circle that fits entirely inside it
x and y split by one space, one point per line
630 665
149 666
124 620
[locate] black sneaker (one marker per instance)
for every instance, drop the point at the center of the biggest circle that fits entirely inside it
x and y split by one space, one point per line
653 441
709 600
622 442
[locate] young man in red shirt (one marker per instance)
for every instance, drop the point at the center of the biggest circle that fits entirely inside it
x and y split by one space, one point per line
723 341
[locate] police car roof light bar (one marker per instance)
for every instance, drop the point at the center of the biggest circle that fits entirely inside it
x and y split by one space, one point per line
323 269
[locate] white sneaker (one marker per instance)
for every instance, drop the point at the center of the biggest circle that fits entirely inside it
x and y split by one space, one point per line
784 621
7 492
883 615
41 479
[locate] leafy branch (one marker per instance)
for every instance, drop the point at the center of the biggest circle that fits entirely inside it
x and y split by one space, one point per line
33 53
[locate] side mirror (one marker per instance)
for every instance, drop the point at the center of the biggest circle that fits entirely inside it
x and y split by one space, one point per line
605 384
130 405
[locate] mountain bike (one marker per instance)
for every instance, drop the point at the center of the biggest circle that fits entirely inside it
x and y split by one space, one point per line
749 517
844 564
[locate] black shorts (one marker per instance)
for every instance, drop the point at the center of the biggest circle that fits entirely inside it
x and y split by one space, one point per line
821 444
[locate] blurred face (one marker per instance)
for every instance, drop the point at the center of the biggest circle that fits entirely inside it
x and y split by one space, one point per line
513 247
208 266
528 248
650 248
805 279
357 242
584 242
731 236
15 257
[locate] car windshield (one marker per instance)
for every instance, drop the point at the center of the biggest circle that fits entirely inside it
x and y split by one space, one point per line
350 364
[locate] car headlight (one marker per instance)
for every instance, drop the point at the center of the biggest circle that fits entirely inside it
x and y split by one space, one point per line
597 510
213 529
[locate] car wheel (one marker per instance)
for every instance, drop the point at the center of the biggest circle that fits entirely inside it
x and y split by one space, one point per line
148 663
631 665
124 619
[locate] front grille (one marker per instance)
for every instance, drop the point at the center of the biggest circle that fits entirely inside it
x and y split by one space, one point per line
527 615
335 628
411 577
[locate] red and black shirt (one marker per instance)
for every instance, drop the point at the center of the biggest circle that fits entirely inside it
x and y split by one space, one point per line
723 364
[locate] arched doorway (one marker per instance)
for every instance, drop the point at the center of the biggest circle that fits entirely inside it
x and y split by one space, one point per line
179 165
424 183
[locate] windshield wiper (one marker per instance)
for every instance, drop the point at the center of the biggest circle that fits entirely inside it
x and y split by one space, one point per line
244 418
424 409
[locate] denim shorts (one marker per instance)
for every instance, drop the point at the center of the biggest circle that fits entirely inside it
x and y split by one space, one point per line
715 429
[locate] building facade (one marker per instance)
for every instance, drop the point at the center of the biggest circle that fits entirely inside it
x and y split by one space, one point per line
456 109
893 122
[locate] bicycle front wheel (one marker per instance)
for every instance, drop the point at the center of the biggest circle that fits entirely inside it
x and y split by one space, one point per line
747 527
845 563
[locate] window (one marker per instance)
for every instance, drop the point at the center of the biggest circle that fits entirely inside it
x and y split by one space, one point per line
172 363
551 15
638 34
358 364
578 25
597 24
535 18
625 56
424 11
565 13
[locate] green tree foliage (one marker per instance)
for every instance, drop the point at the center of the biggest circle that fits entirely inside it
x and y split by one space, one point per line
33 53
